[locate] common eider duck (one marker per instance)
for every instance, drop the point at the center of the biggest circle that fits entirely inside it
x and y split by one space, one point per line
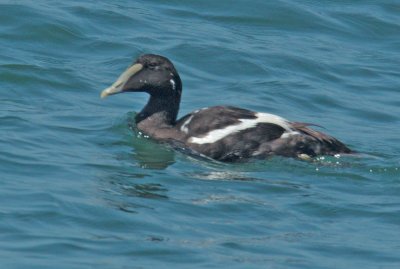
223 133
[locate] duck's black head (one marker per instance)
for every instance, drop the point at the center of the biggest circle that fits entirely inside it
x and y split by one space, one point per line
149 73
157 76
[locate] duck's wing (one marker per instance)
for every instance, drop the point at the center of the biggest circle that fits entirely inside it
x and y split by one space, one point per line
329 143
229 133
208 125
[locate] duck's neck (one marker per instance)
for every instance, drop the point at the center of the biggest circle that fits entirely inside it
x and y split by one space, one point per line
161 110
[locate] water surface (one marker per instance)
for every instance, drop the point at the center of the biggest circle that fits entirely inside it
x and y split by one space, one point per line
79 189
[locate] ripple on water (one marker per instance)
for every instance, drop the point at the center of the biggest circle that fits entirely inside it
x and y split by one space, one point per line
79 189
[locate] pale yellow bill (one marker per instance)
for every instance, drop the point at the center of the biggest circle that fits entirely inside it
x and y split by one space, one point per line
121 81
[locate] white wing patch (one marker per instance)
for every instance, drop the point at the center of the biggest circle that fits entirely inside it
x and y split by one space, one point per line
218 134
287 134
184 127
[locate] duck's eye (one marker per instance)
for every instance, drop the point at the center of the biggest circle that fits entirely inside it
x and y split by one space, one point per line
152 64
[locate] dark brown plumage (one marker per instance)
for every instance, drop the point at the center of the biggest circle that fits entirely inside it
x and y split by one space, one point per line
224 133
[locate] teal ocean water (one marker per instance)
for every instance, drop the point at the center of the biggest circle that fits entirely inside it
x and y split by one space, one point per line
79 189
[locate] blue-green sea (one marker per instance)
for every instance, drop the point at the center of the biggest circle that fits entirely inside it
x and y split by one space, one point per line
80 189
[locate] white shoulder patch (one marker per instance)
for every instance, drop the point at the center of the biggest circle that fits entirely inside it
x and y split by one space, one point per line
184 127
218 134
274 119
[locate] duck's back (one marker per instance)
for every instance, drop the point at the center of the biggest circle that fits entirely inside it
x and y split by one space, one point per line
229 133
